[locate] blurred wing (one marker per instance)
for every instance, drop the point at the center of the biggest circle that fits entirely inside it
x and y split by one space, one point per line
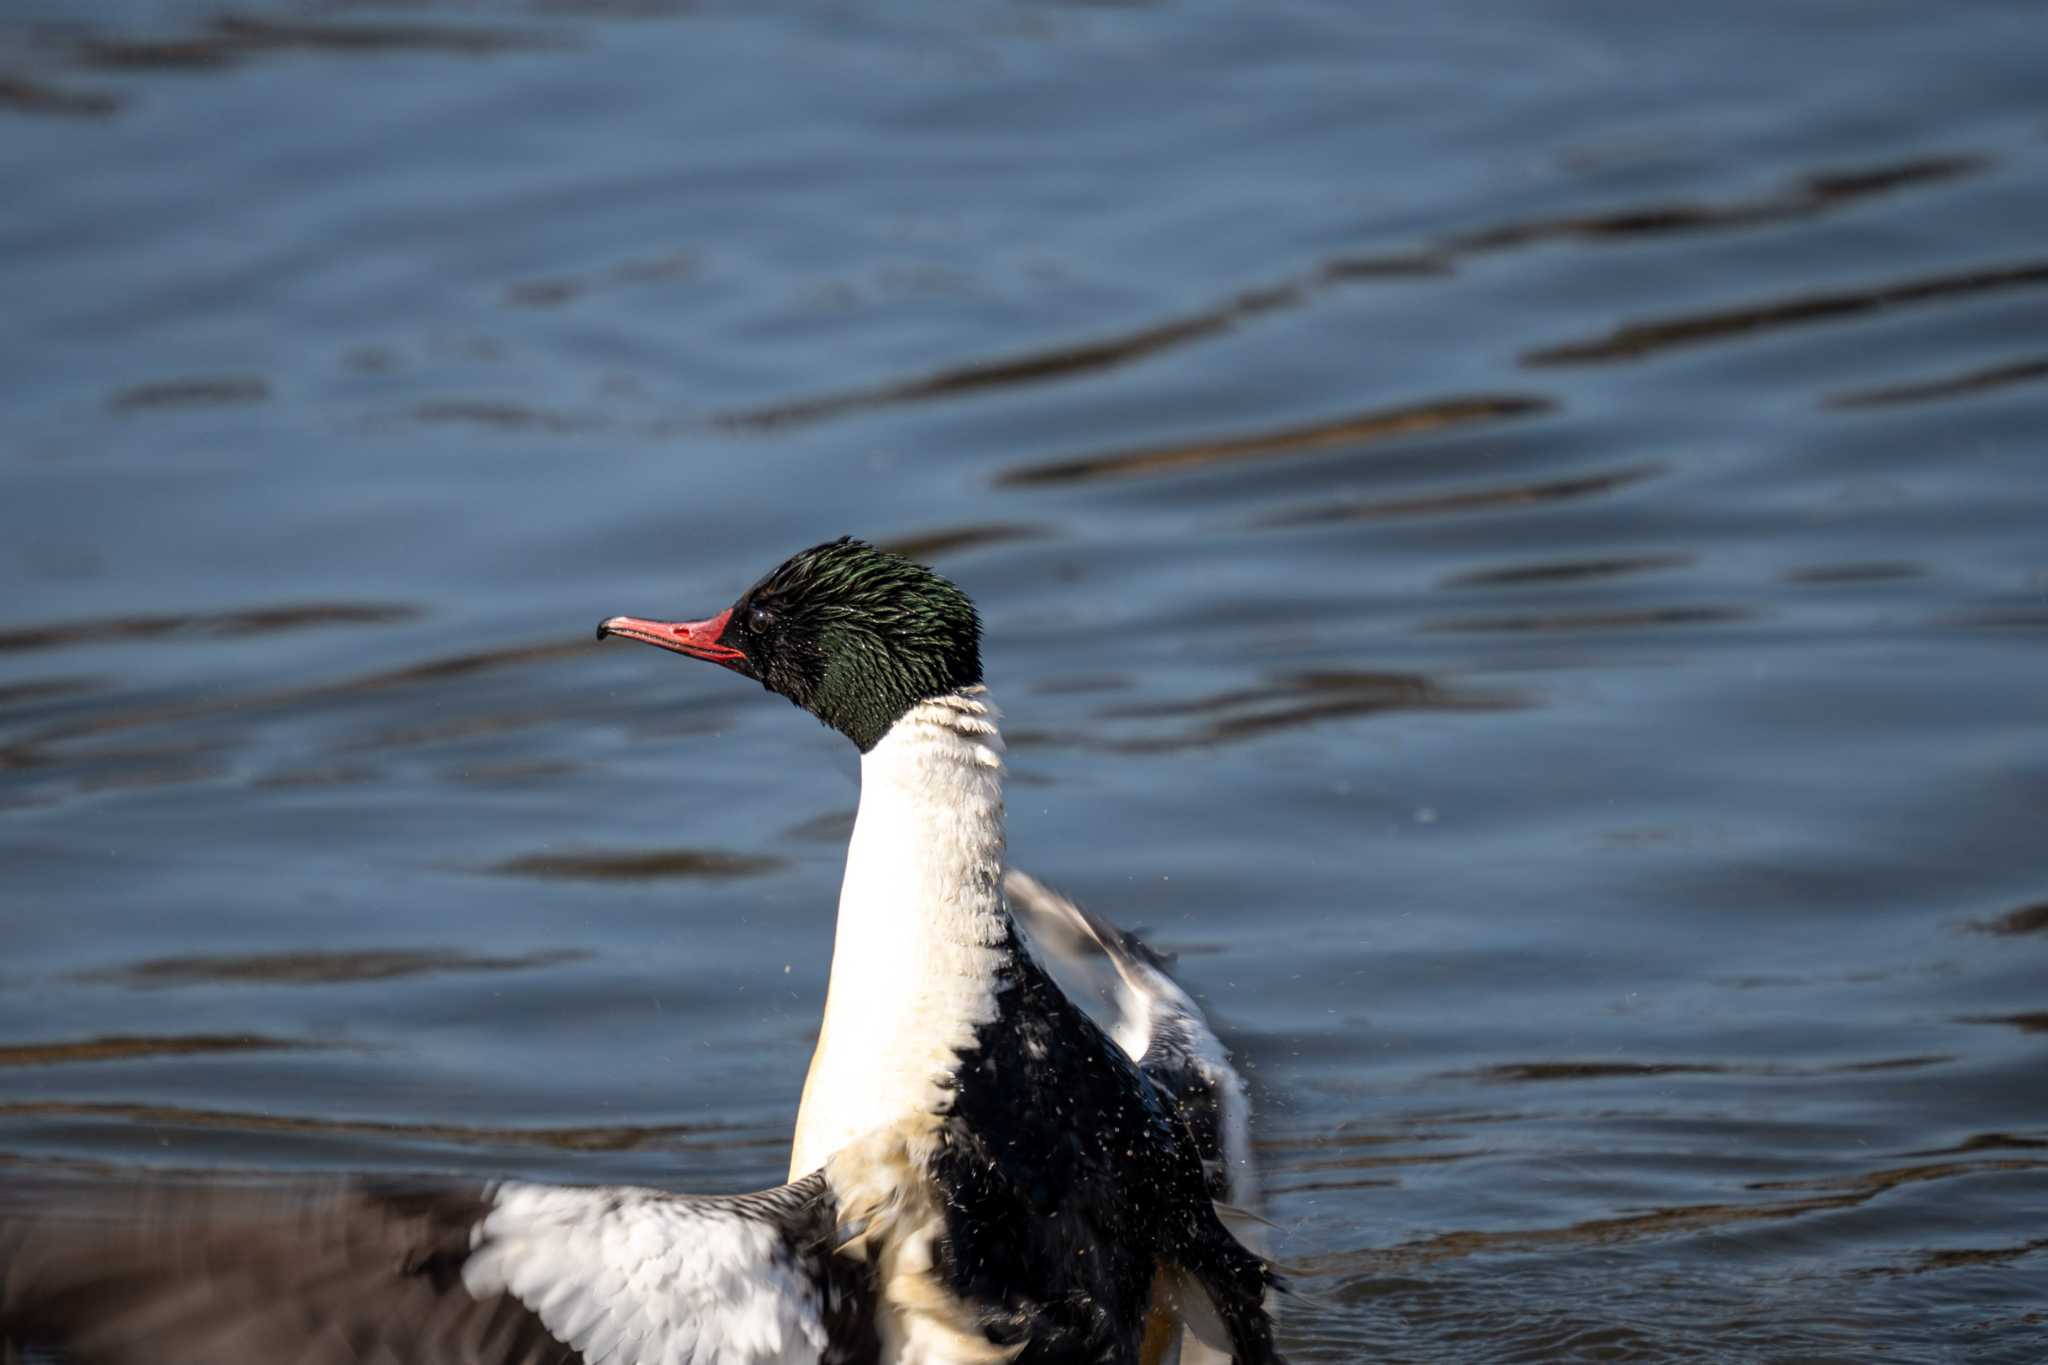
1158 1024
1161 1026
498 1275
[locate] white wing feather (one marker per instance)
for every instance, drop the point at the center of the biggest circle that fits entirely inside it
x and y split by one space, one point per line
638 1277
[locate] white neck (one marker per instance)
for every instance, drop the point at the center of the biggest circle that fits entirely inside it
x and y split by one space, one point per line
923 935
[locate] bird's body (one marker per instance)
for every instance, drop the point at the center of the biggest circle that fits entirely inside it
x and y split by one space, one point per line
979 1173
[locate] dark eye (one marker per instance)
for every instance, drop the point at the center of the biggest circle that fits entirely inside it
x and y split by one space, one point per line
760 618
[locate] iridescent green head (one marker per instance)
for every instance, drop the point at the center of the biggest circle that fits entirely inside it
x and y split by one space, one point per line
854 635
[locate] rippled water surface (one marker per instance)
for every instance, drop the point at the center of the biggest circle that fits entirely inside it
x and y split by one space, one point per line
1513 538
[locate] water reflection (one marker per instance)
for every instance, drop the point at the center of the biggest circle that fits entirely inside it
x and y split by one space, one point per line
229 38
1807 197
639 865
1631 618
45 689
1487 498
1286 701
1958 1258
1952 386
1565 571
222 391
562 289
314 967
1342 432
127 1047
227 625
1832 1196
670 1137
1633 341
24 96
2028 919
1080 358
930 546
498 415
2035 1021
1874 572
1811 195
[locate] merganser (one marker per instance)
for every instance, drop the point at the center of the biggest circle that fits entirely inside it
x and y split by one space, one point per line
980 1173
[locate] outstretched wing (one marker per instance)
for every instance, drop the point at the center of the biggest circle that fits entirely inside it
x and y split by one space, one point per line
497 1275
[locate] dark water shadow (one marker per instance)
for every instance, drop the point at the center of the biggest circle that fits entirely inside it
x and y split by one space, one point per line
46 689
1808 196
1997 618
1634 341
1527 1072
1490 498
832 827
230 38
447 731
1570 622
502 415
639 865
1839 1195
1589 1071
1950 386
1988 1142
1287 701
1086 357
216 391
562 289
428 671
1566 571
1873 571
128 1047
592 1138
318 968
2028 919
926 546
1343 432
1957 1258
1369 1169
620 9
221 625
19 95
2033 1021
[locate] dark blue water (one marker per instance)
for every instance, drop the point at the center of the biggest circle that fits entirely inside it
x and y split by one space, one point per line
1511 537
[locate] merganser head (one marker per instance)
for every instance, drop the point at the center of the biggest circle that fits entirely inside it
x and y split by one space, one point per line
854 635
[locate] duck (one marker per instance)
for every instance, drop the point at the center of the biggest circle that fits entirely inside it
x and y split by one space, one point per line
982 1172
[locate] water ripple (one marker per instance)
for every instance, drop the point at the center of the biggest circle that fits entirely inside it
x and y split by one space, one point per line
1489 498
639 865
1341 432
1951 386
24 96
1086 357
1805 198
2028 919
587 1138
314 967
1633 341
229 38
127 1047
218 625
218 391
